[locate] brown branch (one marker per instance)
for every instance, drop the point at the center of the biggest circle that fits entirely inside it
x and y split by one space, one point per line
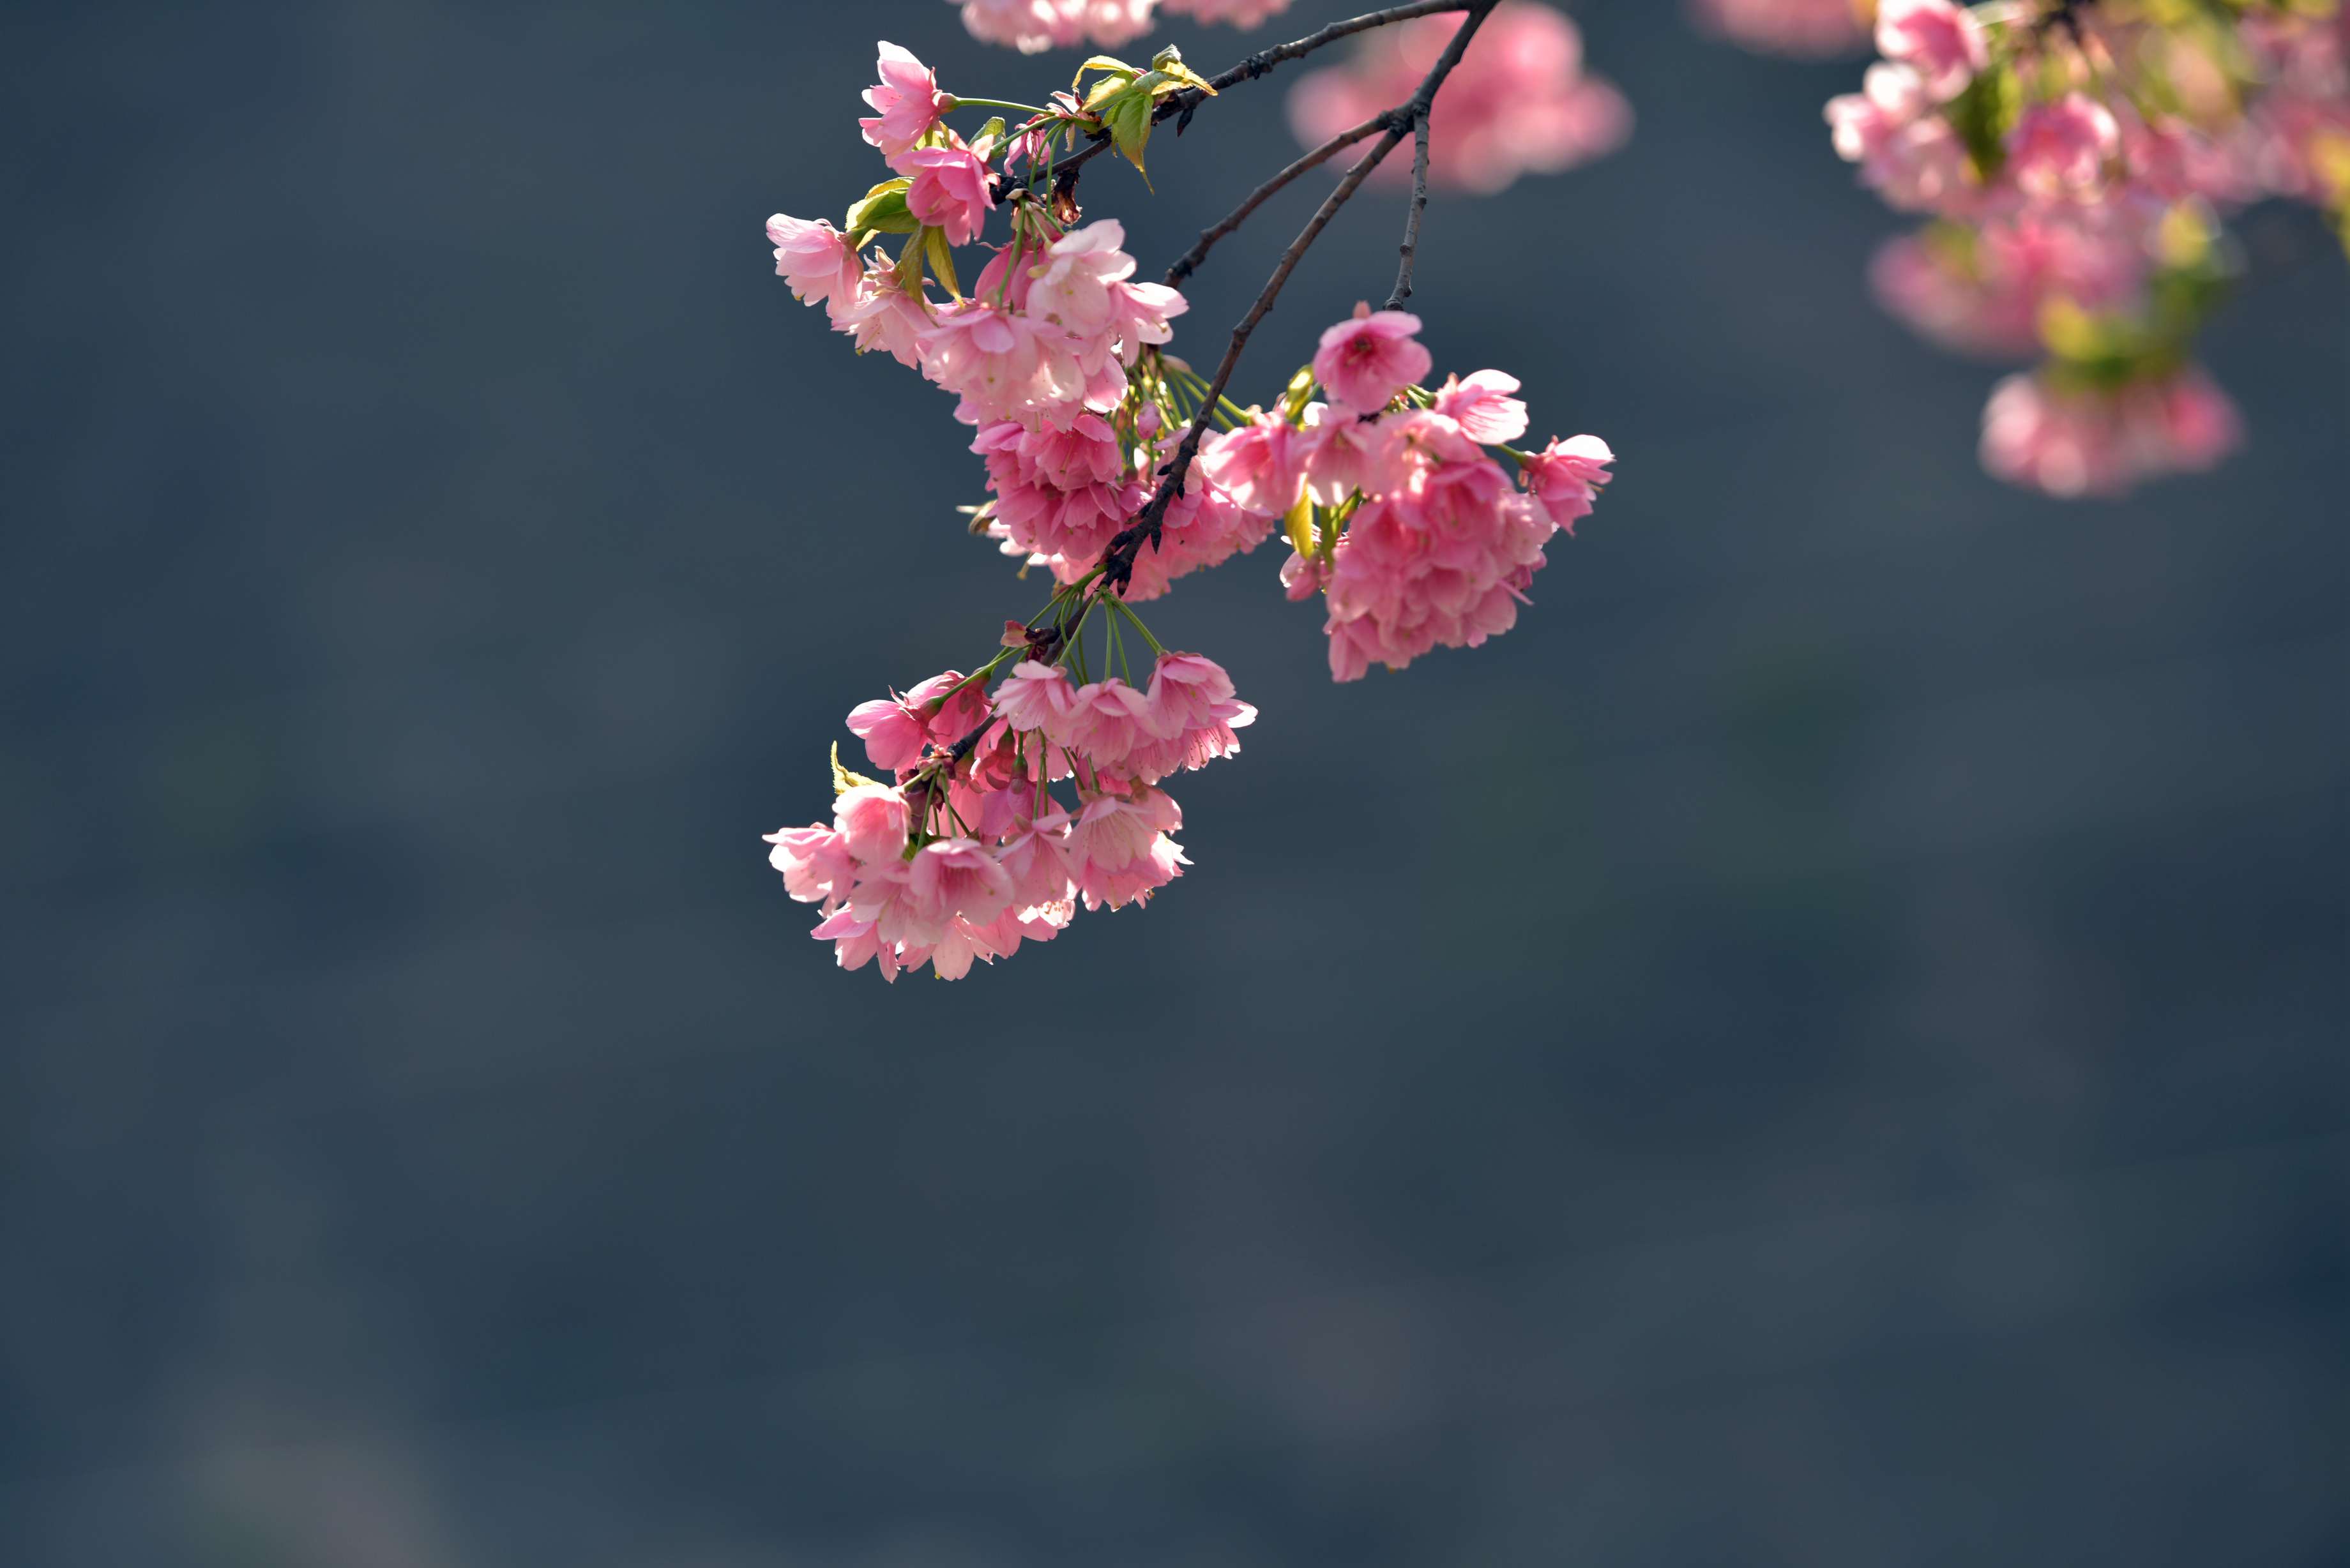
1189 263
1178 106
1117 560
1410 246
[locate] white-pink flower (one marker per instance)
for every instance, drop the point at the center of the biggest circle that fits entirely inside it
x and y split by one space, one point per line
950 190
1941 42
814 260
2058 151
908 102
1032 26
1365 361
1484 407
2088 441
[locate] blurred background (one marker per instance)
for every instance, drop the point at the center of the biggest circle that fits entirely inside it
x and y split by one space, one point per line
1823 1046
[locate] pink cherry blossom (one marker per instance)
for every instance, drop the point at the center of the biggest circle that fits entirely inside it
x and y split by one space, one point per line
908 102
1565 476
1202 528
1259 464
871 821
952 878
1032 26
1000 363
1106 719
1119 851
814 260
1364 361
1185 691
1037 697
1941 42
2103 441
1484 407
817 863
1910 156
886 317
2058 151
950 190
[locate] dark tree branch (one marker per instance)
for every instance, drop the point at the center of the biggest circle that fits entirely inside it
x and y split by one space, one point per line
1178 106
1190 261
1410 248
1117 560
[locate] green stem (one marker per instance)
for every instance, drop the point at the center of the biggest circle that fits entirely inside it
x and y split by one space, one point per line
962 103
1127 611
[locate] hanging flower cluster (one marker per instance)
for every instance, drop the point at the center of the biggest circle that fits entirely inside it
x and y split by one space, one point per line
971 849
1004 799
2076 161
1030 26
1521 102
1395 509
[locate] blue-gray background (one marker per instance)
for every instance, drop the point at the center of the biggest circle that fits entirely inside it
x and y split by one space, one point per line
1820 1047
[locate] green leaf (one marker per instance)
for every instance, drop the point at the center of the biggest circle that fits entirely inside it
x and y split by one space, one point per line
1984 114
910 263
935 245
880 211
1110 63
1168 63
1127 120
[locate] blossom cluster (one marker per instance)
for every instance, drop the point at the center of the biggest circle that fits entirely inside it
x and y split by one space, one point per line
1396 512
2075 162
1030 26
1519 103
967 850
1055 320
1009 797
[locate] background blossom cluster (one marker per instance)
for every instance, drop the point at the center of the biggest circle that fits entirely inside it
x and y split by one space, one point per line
1520 103
1798 27
2076 163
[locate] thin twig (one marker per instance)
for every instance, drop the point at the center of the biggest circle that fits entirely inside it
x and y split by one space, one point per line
1180 105
1264 60
1117 560
1189 263
1410 246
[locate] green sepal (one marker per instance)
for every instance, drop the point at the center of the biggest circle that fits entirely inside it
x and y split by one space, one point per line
1299 525
1298 394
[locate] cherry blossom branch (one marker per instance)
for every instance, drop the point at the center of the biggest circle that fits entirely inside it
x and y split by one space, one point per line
1117 560
1189 263
1410 248
1178 106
